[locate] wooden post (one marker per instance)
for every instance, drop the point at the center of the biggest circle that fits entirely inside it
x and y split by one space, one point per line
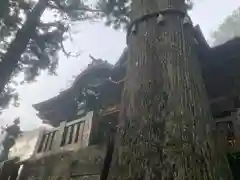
87 129
39 142
59 136
76 128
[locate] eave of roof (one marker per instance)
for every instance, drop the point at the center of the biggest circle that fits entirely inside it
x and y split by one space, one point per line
224 52
123 58
81 80
200 38
103 68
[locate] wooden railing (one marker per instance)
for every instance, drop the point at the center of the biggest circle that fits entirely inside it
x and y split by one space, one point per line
47 140
74 134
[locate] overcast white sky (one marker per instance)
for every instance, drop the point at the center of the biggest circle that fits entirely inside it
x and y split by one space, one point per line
101 42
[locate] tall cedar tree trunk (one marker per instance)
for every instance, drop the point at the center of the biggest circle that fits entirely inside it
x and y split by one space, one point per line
9 62
164 127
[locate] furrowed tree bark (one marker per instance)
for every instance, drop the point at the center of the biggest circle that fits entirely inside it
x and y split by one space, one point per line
165 123
9 61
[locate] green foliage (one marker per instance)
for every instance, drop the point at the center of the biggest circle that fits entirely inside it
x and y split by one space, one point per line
117 12
11 12
42 50
9 95
229 29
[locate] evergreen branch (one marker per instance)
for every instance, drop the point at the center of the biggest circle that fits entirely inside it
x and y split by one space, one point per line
60 7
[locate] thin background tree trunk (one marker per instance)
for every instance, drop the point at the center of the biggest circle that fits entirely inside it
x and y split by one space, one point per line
164 127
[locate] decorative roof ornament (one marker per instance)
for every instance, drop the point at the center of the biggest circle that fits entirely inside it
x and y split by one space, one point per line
160 19
96 61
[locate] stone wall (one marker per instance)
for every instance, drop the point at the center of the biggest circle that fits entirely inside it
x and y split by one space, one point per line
84 164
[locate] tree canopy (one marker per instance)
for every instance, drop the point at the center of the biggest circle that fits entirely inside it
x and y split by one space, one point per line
229 29
40 51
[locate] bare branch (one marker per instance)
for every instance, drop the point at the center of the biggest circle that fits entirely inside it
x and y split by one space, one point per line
69 54
116 82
